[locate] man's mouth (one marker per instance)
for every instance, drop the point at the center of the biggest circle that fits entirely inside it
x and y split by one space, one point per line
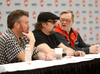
27 31
63 25
54 27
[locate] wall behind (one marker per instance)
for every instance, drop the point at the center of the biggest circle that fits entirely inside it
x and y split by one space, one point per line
86 13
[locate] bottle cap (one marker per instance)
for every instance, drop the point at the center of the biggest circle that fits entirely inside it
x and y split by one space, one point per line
27 44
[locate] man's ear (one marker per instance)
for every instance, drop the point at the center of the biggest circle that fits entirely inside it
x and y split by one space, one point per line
72 23
43 24
17 25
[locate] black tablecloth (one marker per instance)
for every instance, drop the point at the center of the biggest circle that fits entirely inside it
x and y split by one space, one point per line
85 67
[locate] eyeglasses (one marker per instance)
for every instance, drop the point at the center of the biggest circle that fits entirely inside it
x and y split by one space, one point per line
53 22
66 20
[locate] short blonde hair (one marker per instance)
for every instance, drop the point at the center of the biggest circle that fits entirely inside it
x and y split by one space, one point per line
68 11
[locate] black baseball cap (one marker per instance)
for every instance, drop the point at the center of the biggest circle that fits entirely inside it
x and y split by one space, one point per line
44 16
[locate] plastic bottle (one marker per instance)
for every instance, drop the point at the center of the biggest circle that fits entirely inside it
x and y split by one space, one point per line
28 54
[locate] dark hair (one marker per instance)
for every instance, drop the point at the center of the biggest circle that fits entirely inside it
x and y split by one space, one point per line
38 26
15 16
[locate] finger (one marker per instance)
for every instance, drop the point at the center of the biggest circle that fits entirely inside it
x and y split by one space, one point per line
46 59
73 54
80 53
97 46
49 57
24 33
77 52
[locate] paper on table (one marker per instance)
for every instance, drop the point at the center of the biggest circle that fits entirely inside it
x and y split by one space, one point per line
39 63
92 56
2 69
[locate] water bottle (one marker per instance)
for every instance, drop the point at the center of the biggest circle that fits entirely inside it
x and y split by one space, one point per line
28 54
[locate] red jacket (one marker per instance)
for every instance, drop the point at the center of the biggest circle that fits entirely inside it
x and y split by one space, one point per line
72 37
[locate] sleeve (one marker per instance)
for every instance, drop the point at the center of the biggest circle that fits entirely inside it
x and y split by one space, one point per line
56 40
84 47
62 39
24 41
36 51
81 42
1 56
12 49
40 38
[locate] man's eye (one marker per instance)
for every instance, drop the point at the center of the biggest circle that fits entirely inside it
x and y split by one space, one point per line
62 19
67 20
26 23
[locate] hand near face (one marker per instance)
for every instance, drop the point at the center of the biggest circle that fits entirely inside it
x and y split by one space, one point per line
29 35
95 49
49 57
79 53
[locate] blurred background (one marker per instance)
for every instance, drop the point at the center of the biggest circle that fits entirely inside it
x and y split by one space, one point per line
86 21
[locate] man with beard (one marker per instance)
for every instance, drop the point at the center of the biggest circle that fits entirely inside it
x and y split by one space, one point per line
70 37
13 41
46 41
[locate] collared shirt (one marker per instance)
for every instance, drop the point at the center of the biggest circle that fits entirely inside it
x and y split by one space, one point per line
10 47
73 39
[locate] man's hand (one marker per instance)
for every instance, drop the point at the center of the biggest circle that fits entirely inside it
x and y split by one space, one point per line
48 57
95 49
79 53
29 35
70 52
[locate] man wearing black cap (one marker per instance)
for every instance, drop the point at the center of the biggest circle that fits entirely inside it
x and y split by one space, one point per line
46 41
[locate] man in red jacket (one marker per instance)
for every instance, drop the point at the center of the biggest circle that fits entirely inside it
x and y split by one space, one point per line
70 37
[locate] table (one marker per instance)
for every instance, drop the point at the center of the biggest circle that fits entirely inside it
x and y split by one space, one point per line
90 64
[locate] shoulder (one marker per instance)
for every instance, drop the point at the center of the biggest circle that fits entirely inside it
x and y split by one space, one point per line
58 34
36 32
75 31
39 35
5 37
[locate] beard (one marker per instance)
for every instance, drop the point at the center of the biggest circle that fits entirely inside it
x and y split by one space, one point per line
52 31
22 30
27 31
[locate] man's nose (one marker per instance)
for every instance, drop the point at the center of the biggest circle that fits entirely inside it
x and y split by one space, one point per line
28 26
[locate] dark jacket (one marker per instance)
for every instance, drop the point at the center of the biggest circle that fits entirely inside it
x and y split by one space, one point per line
73 39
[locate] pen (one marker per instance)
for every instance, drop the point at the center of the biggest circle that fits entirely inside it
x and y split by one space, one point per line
44 57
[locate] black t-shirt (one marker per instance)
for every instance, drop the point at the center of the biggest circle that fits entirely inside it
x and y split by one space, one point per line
50 40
